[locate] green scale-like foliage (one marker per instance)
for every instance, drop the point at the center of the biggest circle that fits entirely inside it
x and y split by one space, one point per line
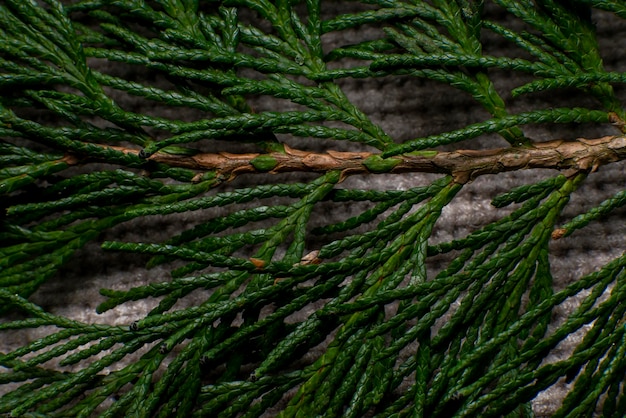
469 340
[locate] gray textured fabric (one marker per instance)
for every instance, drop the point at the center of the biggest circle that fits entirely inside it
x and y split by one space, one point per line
406 108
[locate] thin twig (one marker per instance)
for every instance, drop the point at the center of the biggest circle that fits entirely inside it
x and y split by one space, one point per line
465 165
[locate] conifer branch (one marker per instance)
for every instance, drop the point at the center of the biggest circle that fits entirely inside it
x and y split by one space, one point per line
395 318
570 156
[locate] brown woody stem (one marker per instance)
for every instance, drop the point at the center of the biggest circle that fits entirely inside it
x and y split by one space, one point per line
464 165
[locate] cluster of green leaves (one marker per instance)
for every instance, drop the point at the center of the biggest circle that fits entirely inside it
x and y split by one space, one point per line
239 352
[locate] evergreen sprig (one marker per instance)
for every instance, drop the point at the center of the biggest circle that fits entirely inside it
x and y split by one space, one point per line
303 316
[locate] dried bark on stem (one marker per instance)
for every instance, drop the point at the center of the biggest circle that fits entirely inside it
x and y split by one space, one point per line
465 165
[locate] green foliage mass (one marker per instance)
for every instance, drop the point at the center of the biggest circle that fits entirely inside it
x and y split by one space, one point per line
470 340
